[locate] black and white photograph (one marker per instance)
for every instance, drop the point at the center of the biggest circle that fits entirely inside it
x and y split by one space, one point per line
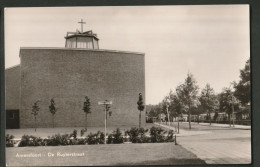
127 85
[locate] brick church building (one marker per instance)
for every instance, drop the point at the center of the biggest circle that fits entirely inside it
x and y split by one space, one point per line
68 75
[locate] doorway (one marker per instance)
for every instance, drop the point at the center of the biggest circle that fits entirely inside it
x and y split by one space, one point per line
12 119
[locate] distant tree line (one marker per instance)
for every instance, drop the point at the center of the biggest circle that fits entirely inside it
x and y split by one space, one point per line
189 100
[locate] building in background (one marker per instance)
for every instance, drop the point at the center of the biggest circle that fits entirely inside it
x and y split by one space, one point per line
68 75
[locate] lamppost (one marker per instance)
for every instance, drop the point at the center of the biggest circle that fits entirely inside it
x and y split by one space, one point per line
233 109
106 104
232 101
167 107
178 123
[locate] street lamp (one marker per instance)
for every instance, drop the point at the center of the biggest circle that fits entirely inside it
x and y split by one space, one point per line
106 104
167 106
232 109
232 101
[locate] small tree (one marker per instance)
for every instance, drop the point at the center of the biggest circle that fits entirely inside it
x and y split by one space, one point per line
215 116
35 109
87 108
228 103
53 110
242 89
187 93
140 107
165 104
209 101
176 108
197 111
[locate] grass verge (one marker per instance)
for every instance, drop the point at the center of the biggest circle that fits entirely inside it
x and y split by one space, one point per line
115 154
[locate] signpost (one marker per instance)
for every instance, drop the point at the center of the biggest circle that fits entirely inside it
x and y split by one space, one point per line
105 103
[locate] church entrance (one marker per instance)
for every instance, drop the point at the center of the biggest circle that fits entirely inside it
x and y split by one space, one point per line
12 119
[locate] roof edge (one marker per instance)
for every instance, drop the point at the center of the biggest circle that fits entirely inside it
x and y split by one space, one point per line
9 68
81 35
94 50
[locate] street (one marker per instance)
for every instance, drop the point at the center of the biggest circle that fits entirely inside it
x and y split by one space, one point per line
217 145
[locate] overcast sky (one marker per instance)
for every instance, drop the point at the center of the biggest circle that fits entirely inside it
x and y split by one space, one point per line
210 41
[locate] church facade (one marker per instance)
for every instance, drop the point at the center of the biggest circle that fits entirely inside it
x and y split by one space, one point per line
68 75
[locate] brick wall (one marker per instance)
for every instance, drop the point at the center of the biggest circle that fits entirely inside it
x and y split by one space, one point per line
12 87
68 75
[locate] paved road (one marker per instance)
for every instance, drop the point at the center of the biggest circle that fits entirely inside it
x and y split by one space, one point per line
221 145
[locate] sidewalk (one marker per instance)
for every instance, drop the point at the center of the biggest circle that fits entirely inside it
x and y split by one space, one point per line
227 126
246 127
183 132
224 144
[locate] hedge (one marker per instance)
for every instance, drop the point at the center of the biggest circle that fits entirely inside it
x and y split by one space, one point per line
136 135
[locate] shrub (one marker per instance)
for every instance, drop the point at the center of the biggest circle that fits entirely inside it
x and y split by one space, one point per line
82 131
157 134
101 137
137 135
110 139
76 141
30 141
8 140
142 138
96 138
58 140
150 120
116 137
133 134
170 137
74 134
81 141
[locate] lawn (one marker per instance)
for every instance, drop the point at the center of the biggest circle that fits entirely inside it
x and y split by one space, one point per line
113 154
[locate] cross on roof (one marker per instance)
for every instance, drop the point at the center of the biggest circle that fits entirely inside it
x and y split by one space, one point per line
81 22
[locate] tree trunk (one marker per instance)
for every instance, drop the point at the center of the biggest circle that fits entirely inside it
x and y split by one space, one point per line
209 118
35 124
53 121
229 119
189 120
178 125
140 119
86 120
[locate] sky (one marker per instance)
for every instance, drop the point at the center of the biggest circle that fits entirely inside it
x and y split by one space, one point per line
210 41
